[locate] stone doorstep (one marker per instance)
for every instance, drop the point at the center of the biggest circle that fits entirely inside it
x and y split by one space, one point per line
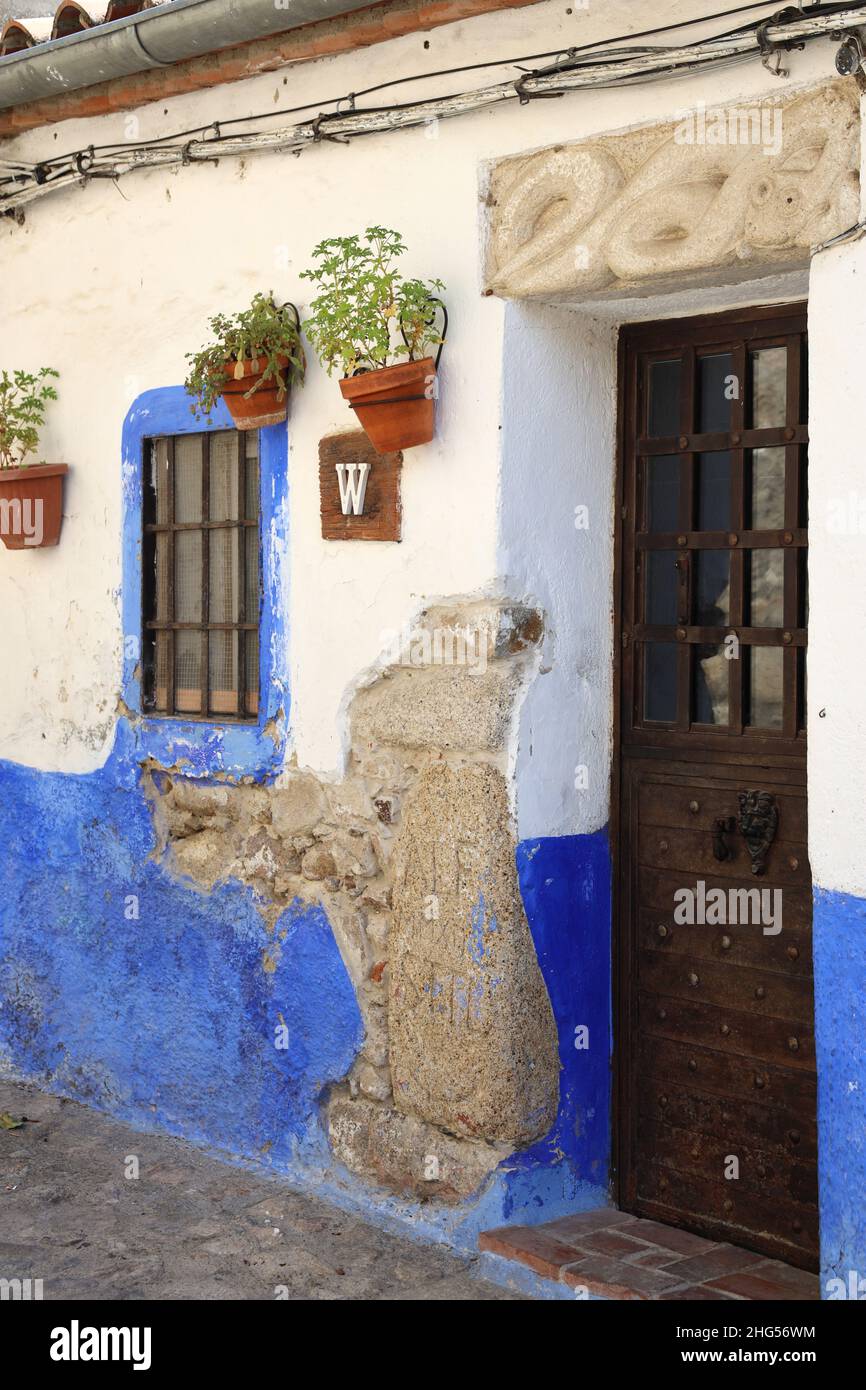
617 1256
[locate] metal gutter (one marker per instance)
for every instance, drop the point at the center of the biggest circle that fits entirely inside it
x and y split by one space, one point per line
154 38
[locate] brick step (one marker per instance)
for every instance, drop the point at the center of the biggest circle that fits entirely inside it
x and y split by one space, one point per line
614 1255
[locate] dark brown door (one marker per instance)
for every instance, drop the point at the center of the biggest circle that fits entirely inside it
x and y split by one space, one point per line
715 1048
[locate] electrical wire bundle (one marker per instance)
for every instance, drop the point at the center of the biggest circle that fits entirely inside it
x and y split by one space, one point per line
604 64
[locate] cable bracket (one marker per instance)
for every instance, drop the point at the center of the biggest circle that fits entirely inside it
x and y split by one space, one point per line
319 134
525 97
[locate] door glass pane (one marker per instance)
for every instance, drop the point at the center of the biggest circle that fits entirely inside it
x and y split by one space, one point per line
711 685
765 687
715 392
660 681
663 493
768 489
664 398
187 478
765 571
769 387
712 588
661 586
714 491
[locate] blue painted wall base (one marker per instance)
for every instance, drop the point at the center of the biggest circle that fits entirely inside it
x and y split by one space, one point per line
839 946
145 997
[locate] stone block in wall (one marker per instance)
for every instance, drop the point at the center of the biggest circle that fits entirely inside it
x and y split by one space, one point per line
405 1154
473 1043
447 708
199 798
201 857
298 806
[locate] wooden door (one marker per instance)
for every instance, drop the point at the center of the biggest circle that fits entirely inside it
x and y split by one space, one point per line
715 1048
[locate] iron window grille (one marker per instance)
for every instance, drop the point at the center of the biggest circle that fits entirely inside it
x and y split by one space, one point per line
202 575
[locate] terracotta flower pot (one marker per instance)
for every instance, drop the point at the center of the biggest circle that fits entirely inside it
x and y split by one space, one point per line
31 505
394 405
265 406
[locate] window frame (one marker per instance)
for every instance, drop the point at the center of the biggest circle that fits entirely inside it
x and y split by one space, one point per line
208 744
246 527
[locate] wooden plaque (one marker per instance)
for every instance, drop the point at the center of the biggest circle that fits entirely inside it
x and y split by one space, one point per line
381 519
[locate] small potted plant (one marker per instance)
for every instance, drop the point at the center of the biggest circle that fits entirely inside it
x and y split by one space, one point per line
31 495
364 319
253 362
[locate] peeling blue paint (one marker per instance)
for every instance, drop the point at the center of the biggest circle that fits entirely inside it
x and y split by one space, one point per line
565 884
478 925
127 990
839 948
168 1018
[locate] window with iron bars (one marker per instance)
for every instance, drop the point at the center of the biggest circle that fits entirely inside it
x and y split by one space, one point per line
202 576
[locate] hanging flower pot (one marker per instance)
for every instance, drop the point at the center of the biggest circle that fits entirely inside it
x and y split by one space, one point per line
363 318
31 505
255 359
253 400
394 405
31 497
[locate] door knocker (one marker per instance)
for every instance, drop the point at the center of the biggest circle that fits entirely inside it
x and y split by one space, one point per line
759 821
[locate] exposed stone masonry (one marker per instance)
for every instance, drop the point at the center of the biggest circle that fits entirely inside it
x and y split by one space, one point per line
412 858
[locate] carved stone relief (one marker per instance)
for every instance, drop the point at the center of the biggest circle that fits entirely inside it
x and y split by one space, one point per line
744 190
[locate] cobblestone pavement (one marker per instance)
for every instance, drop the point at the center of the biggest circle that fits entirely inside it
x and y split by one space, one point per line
189 1227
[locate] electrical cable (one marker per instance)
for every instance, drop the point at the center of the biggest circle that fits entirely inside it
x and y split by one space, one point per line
592 66
463 68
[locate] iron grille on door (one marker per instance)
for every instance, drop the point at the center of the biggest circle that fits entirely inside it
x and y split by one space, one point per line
202 575
715 618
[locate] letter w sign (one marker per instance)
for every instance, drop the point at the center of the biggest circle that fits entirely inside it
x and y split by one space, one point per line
352 478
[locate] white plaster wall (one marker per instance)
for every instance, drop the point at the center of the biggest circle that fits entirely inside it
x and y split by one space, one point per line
836 664
113 287
559 419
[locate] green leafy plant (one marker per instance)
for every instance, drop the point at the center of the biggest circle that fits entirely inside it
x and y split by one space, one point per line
23 398
365 314
263 334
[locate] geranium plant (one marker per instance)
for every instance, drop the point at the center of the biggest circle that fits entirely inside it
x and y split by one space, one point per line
253 360
23 398
365 314
377 328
